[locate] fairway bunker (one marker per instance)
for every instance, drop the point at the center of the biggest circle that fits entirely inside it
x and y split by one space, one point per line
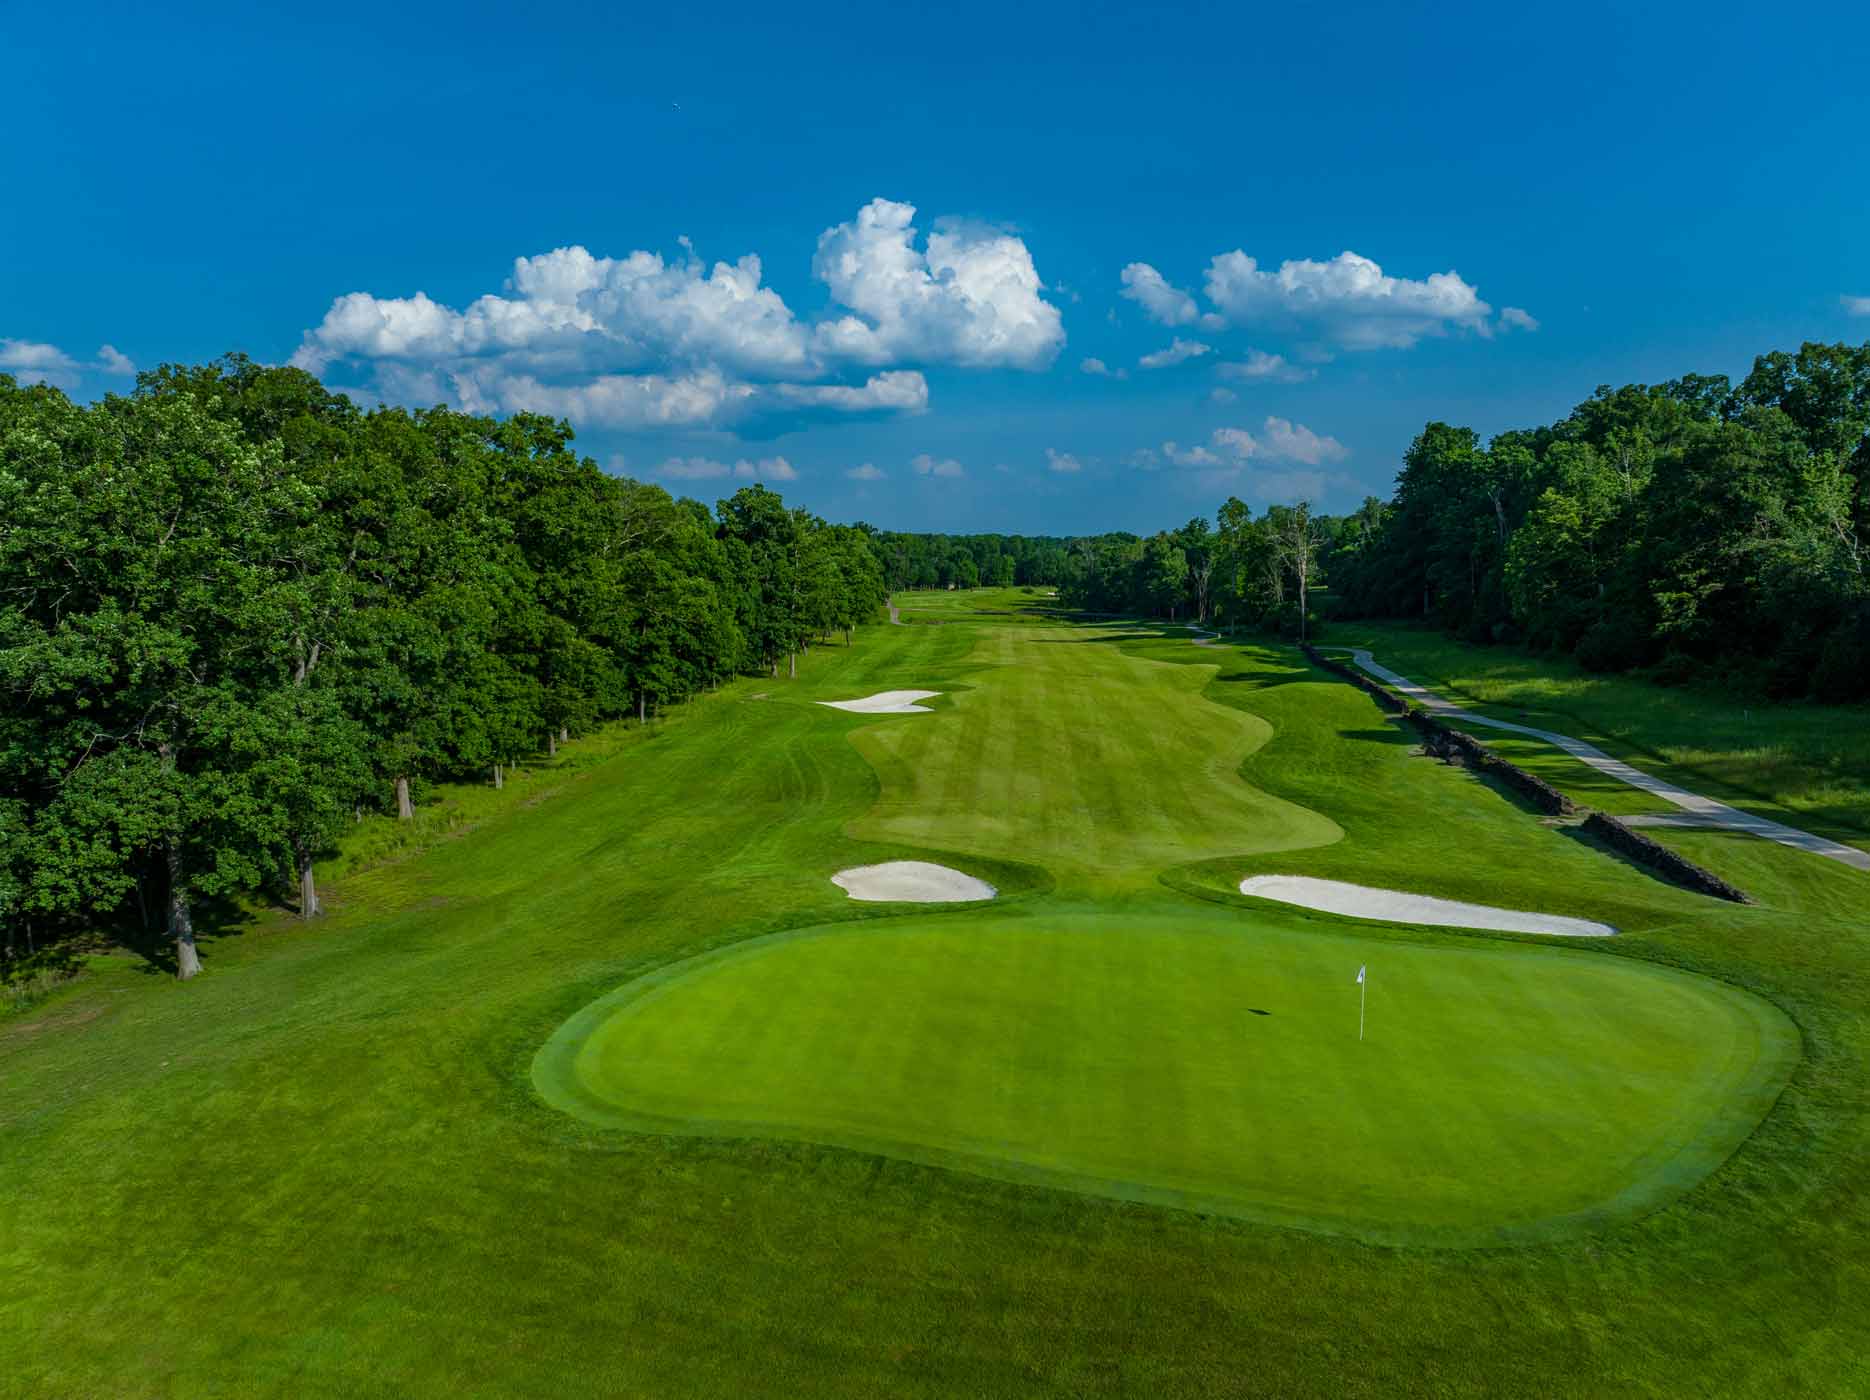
886 702
1396 907
911 882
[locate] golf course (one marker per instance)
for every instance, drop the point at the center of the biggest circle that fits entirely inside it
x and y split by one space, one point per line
599 1084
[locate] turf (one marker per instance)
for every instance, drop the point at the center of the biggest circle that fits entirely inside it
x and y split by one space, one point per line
1802 763
1203 1059
323 1168
1069 753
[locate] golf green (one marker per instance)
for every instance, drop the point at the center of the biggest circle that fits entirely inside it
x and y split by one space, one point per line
1190 1055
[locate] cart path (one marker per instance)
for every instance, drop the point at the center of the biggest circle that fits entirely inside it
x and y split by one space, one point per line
1706 811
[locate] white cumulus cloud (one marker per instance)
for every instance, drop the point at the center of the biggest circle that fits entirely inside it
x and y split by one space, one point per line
1094 366
865 471
1163 302
901 390
970 297
1062 461
35 362
1260 365
925 465
1294 442
1174 353
707 469
1856 306
1196 456
1517 318
1278 440
645 342
1349 300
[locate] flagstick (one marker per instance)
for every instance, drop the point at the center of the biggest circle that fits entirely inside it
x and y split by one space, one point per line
1362 991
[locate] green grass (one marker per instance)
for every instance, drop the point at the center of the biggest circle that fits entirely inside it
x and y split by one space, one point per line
1806 764
1099 766
1194 1057
324 1169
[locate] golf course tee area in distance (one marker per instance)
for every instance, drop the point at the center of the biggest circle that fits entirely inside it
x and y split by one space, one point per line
613 1091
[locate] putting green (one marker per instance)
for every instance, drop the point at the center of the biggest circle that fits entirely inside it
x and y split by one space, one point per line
1189 1055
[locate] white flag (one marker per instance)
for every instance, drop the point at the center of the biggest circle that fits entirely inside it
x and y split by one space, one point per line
1360 976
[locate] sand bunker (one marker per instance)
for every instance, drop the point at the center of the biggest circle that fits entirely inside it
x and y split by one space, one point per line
915 881
1393 906
887 702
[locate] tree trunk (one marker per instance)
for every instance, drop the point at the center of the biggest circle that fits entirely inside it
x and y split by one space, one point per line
847 636
642 708
795 666
309 907
564 734
551 744
405 809
499 778
181 919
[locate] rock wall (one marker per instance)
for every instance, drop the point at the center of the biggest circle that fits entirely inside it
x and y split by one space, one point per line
1638 847
1456 746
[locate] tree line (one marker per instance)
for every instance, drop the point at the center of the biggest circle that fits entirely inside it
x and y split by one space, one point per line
970 561
1240 571
237 613
1696 528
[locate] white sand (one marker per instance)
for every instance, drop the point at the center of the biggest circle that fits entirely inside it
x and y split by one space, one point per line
1393 906
887 702
916 881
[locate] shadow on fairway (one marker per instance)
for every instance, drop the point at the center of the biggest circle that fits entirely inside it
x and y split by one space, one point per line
1386 734
216 919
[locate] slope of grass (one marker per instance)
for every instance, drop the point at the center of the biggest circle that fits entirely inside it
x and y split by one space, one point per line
1806 764
1066 752
322 1168
1200 1058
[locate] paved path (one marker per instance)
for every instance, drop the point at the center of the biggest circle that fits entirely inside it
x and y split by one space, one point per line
1704 811
1206 639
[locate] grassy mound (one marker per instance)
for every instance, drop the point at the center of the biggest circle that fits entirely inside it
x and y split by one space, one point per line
1204 1059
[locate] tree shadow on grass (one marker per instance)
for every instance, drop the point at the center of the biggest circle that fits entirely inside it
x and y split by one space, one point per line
216 918
1385 734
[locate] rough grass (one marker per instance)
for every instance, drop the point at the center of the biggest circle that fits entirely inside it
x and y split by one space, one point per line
1803 763
322 1168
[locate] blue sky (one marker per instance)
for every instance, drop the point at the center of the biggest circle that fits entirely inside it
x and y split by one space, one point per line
1369 216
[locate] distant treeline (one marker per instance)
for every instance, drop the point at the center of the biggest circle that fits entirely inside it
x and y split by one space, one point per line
969 561
1693 529
236 612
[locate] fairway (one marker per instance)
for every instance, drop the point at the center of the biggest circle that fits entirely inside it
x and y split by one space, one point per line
1071 753
1205 1059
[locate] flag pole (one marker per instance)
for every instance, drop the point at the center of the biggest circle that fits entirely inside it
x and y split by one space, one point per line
1362 991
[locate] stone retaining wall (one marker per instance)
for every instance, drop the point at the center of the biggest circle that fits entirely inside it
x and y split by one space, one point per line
1456 746
1638 847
